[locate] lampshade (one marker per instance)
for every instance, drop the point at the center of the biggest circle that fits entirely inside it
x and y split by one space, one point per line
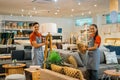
48 27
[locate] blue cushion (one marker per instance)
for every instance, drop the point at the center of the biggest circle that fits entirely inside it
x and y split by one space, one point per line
114 48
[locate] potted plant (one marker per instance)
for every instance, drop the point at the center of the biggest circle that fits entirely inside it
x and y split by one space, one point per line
53 58
14 61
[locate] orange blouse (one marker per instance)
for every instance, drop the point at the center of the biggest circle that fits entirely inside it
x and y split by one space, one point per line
98 40
33 36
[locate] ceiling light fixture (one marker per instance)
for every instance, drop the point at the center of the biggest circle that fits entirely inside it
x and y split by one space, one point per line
55 0
55 13
79 3
22 10
22 15
89 12
34 8
72 10
95 5
58 10
82 14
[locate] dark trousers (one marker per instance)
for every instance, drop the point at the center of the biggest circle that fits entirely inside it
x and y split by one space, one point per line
92 74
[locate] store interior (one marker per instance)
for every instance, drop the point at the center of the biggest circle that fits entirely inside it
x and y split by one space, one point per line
68 22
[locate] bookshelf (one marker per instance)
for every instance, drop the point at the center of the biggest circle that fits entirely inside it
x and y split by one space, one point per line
21 29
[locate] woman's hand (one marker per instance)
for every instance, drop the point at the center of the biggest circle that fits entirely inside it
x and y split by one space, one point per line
46 42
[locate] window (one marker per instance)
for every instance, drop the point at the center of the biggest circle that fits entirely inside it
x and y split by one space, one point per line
81 22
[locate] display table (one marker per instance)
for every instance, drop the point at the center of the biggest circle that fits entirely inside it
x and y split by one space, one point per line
14 69
5 57
111 73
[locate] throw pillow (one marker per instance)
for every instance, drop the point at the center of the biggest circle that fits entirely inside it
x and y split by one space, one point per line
75 73
66 54
102 56
57 68
110 57
72 61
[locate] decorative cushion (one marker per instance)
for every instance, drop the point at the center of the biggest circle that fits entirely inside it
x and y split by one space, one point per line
75 73
110 57
102 56
72 61
57 68
66 54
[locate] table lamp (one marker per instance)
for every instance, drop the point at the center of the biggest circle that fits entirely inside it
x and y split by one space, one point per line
48 29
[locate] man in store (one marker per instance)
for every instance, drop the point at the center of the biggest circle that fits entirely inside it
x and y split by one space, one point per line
37 43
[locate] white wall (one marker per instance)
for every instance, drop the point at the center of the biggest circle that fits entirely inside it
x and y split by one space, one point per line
100 20
103 27
67 25
64 23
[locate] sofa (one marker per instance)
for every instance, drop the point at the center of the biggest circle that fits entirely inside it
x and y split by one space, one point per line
6 49
51 75
23 56
81 60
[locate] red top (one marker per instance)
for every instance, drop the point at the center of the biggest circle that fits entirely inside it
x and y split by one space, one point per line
33 36
98 40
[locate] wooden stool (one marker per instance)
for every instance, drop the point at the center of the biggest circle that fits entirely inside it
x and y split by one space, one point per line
15 77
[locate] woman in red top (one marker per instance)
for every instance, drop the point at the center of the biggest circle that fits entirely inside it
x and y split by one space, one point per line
36 42
93 53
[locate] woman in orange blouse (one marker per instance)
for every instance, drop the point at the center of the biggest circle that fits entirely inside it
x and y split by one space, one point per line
93 53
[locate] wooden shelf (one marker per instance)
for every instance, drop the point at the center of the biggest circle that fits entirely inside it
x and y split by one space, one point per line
18 29
2 74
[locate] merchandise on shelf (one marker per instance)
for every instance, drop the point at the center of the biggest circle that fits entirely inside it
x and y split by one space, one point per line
21 29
